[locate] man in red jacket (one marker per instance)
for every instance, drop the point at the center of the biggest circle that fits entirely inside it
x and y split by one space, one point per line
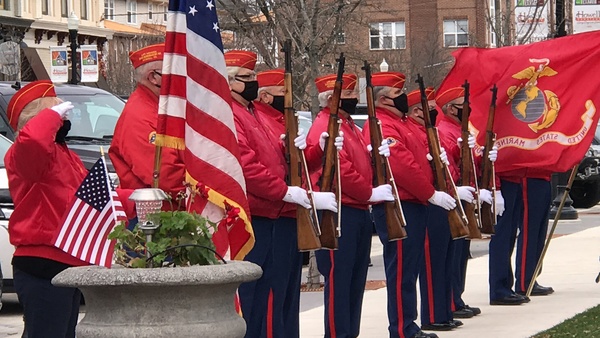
132 148
43 176
270 305
345 269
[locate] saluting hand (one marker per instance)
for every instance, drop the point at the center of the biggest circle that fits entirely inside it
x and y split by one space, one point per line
63 109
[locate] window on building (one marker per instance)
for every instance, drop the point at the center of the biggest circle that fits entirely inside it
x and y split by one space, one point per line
492 27
4 5
45 7
64 8
340 39
131 11
165 11
109 9
388 35
150 10
84 9
456 33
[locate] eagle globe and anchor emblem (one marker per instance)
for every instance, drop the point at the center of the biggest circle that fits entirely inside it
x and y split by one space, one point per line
530 104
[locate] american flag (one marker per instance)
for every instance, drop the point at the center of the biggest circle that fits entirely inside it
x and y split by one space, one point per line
92 215
195 114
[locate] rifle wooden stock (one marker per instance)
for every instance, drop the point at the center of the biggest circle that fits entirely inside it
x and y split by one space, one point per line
306 219
488 181
458 226
466 167
394 215
329 220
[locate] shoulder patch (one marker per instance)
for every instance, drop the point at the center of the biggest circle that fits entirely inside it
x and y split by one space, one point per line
391 141
152 137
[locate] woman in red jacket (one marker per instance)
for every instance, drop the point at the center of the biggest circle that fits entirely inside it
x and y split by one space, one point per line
43 175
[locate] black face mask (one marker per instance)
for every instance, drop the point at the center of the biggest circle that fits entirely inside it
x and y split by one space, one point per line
348 105
400 102
278 103
433 115
250 92
63 131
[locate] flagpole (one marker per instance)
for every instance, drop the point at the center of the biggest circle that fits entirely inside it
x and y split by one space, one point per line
538 267
157 159
108 184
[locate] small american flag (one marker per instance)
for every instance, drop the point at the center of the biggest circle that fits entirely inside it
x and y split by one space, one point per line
195 114
92 215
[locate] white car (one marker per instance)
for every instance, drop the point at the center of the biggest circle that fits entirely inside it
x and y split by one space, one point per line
6 208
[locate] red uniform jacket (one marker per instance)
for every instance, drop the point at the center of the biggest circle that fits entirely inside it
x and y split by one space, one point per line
43 177
274 122
408 156
132 148
355 162
262 162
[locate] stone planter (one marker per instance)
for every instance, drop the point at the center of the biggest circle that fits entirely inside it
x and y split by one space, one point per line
195 301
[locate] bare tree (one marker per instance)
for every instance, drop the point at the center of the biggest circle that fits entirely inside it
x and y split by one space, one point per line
513 27
314 27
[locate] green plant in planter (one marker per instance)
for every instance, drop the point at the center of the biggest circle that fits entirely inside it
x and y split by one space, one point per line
182 239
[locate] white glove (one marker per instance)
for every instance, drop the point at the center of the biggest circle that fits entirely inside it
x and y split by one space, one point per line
338 142
300 141
499 203
63 109
297 195
384 149
485 196
493 154
441 199
443 156
465 193
471 141
382 193
325 201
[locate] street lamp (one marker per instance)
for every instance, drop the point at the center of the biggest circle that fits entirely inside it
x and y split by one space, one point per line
73 26
383 66
147 201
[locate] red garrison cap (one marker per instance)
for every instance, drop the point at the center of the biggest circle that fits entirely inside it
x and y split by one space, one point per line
388 79
414 97
32 91
327 82
449 95
147 54
269 78
240 58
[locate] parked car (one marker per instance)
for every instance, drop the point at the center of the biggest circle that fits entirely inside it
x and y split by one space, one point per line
585 191
93 122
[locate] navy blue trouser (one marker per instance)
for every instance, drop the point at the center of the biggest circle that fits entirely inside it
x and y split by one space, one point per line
271 305
462 249
527 205
435 279
50 311
345 272
402 260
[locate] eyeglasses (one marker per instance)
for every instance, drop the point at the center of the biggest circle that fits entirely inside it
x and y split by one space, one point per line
430 108
157 72
245 78
457 106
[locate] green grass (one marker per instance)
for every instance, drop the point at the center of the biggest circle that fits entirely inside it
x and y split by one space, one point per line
585 324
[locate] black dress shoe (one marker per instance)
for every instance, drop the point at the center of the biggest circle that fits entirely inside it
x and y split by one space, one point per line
456 323
476 311
513 299
463 313
539 290
438 326
422 334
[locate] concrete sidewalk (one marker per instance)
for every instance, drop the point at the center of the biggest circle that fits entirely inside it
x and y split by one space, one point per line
570 267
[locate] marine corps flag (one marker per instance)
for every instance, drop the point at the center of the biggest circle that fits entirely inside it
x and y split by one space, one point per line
548 96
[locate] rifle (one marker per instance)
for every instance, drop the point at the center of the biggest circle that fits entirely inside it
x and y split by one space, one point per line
330 222
467 168
456 217
488 178
307 220
394 216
